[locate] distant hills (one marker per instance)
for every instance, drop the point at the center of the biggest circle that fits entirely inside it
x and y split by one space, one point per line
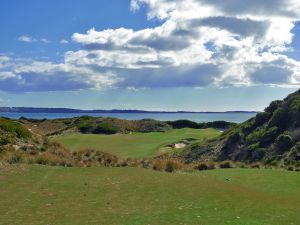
68 110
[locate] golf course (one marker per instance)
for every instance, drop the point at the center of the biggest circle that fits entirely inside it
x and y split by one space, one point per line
135 145
150 112
109 171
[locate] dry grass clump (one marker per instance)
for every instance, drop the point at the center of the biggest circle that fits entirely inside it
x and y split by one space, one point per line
14 158
173 164
256 165
158 165
93 157
52 160
226 165
168 165
205 166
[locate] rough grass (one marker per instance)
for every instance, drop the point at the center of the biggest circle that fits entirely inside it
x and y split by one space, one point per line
136 145
61 196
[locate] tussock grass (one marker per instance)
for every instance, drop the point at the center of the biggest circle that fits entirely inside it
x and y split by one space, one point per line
168 165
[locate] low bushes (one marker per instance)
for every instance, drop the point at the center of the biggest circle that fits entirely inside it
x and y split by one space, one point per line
173 164
100 128
91 125
205 166
226 165
14 128
256 165
168 165
15 158
179 124
10 131
284 141
159 165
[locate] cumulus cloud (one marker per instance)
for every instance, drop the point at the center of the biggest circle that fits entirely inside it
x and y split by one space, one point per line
199 43
25 75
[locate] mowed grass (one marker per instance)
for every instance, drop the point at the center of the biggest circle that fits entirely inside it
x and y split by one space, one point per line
136 145
38 195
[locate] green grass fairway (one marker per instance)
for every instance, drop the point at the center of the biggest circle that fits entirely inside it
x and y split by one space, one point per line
38 195
137 145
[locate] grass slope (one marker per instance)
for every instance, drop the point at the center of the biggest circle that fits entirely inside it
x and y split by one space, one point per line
54 195
137 145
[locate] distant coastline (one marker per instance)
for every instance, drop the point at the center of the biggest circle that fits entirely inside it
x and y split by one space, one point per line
69 110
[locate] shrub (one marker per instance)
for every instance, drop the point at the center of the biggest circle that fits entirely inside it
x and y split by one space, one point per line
93 157
48 159
6 138
179 124
226 165
235 137
273 106
15 158
280 118
105 128
14 128
201 166
242 165
284 141
86 128
124 163
258 154
255 165
218 124
101 128
205 166
273 163
253 147
159 165
149 125
264 136
173 165
262 118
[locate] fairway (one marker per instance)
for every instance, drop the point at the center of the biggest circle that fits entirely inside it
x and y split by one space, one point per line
136 145
34 195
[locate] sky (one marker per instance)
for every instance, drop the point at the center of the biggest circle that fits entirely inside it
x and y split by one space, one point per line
196 55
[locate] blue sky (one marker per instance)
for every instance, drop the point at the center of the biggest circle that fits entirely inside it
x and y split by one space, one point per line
192 55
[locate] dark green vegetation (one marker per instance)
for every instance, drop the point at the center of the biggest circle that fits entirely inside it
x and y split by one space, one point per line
137 145
179 124
34 195
93 125
272 137
11 132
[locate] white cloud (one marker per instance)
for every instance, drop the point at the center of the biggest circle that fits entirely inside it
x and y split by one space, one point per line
199 43
28 39
25 38
63 41
45 40
25 75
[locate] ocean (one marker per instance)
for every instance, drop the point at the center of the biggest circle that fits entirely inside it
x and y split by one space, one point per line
196 117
